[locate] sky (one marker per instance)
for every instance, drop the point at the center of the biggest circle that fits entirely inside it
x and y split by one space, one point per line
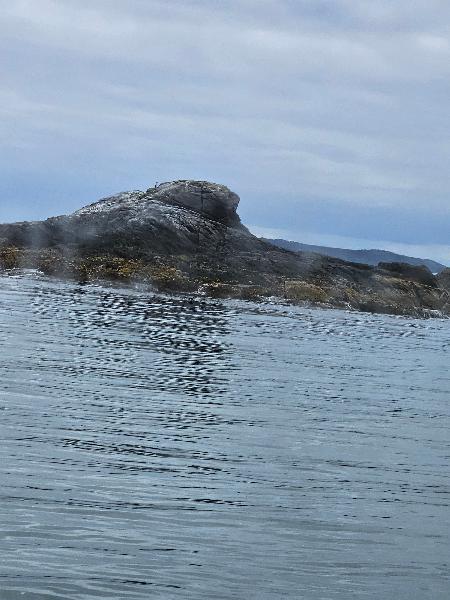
330 118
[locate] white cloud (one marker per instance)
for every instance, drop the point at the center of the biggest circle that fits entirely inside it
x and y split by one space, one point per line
342 100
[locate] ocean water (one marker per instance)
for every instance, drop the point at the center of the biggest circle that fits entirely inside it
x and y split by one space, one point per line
161 447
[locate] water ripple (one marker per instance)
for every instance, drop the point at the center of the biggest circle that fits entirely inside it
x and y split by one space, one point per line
175 447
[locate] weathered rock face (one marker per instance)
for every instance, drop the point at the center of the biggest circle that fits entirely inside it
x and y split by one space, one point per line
178 217
444 279
420 273
210 199
189 232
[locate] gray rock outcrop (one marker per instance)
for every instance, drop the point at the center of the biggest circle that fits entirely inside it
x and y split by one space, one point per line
420 273
188 233
444 279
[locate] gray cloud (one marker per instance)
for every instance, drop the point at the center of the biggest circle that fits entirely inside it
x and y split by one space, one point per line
340 105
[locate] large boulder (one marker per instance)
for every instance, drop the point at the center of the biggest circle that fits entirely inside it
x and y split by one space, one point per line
211 199
179 217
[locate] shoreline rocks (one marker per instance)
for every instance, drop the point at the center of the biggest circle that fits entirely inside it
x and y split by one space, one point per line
187 236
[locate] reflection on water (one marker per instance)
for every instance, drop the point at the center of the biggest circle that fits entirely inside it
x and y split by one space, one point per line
158 447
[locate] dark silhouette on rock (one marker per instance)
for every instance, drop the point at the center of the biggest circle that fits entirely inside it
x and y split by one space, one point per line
187 236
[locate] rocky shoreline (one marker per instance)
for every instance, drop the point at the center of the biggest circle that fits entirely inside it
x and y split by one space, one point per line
186 236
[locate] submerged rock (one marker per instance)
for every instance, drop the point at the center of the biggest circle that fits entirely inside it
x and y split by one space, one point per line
187 235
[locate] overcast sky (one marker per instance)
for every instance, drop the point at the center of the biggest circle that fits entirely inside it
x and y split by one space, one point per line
330 118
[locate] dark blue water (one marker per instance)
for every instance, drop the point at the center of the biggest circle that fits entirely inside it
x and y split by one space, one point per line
156 447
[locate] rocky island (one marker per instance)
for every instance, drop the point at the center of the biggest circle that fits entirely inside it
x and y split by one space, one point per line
186 236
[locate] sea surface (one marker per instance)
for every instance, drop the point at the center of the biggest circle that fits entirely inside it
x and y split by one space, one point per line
175 447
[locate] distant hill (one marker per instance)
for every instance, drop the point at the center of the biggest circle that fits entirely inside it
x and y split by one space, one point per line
367 257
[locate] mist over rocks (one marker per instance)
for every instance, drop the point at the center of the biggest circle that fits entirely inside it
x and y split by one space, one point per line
210 199
168 218
187 236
